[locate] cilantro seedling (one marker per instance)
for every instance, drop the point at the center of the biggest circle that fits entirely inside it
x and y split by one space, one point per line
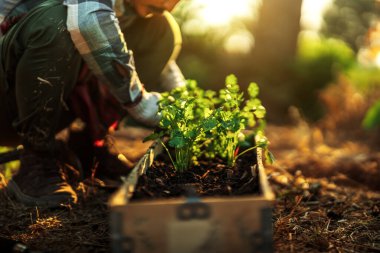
201 122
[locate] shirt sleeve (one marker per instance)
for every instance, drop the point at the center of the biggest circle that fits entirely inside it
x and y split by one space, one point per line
5 8
95 31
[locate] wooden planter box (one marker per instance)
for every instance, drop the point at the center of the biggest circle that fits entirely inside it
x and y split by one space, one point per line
184 225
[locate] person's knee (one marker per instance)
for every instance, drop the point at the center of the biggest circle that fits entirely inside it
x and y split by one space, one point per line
45 28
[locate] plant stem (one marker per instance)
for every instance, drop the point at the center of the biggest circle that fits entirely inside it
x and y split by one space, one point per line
230 149
245 151
183 156
167 150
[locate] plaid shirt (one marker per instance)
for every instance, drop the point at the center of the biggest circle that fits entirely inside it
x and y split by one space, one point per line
95 30
5 8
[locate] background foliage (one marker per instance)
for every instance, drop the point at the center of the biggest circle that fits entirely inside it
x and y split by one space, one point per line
291 65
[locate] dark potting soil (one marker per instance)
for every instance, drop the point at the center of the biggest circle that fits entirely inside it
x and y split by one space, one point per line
209 178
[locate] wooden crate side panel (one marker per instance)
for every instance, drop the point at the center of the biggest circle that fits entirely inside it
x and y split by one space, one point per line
245 226
241 224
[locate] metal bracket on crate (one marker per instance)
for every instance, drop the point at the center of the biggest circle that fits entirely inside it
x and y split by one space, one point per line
193 208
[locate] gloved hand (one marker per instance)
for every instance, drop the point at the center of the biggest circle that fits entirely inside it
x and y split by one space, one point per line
143 105
146 110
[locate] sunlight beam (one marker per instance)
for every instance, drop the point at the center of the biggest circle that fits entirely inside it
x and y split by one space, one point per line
219 13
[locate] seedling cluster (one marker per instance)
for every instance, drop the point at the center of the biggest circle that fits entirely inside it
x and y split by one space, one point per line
206 123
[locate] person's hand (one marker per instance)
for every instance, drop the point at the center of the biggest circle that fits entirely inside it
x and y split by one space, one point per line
146 110
143 105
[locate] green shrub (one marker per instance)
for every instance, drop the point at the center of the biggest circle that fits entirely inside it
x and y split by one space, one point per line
372 117
364 79
367 81
317 64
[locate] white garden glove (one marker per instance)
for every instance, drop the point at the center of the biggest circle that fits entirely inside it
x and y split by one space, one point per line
172 77
146 110
143 105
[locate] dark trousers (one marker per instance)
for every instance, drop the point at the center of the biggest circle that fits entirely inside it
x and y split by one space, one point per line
40 65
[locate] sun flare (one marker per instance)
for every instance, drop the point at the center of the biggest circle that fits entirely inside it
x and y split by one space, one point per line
219 12
221 15
312 11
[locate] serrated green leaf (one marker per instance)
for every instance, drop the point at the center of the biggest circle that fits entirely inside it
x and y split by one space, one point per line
209 124
252 104
191 85
231 80
177 142
165 123
192 134
260 112
253 90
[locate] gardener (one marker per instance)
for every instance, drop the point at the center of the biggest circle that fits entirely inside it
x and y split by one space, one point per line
64 61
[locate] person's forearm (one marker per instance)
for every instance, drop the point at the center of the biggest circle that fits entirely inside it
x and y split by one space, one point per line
95 32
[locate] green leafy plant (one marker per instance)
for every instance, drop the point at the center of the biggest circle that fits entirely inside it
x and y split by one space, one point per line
185 120
318 62
372 117
199 123
233 118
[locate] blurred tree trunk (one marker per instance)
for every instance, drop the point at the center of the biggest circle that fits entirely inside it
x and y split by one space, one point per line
275 47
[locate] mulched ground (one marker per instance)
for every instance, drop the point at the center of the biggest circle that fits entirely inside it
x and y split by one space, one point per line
327 188
327 198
